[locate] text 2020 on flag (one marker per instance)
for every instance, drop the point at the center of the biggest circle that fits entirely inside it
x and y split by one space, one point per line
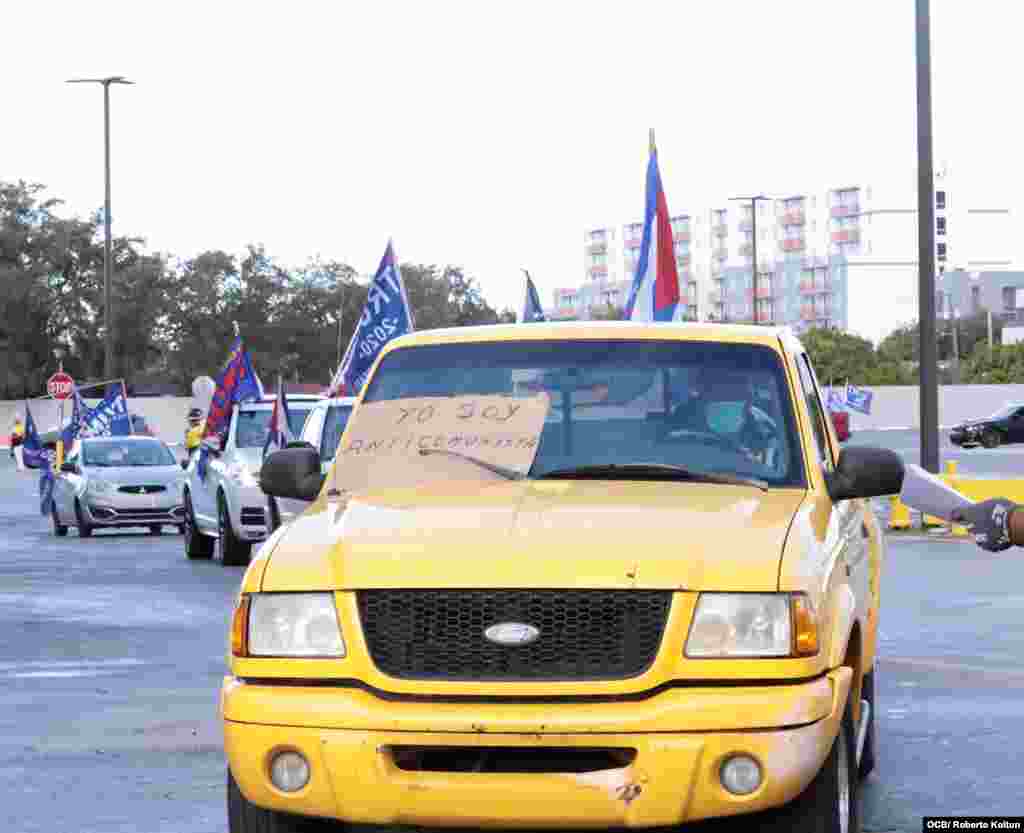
387 315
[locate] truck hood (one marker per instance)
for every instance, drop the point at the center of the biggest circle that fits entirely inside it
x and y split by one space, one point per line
539 534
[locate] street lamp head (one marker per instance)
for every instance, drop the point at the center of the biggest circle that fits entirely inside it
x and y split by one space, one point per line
112 79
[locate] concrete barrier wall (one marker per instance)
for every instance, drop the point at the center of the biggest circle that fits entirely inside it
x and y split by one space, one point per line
164 414
893 407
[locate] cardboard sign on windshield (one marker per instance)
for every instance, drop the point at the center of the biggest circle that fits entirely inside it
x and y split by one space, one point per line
407 442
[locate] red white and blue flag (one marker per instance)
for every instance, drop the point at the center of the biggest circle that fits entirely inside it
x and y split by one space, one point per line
279 432
654 295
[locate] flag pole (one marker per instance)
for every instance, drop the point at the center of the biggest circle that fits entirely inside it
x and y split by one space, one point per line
124 393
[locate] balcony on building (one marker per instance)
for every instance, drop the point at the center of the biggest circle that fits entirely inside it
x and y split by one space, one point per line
597 247
721 254
796 244
764 290
683 260
846 210
720 229
681 236
794 217
746 224
850 235
746 249
817 286
764 316
598 271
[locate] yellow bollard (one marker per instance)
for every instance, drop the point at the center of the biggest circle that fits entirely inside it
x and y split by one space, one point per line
899 515
930 521
951 467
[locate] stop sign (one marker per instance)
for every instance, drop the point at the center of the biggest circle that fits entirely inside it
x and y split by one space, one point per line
60 385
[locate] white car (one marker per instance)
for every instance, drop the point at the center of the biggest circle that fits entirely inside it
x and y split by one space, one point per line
225 511
108 482
323 429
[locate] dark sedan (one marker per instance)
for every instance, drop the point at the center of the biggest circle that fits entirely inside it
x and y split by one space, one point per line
1004 426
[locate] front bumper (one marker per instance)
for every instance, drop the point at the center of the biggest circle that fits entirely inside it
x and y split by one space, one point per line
133 510
247 507
681 738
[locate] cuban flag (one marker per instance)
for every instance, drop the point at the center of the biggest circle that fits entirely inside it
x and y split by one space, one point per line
532 310
655 295
279 432
386 316
858 399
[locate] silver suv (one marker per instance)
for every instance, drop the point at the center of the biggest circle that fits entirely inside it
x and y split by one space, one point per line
323 429
225 511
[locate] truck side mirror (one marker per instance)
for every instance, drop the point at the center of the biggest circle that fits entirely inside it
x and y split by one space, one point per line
864 472
292 473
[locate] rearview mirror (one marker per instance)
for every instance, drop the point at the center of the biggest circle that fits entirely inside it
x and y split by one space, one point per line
69 468
292 473
864 472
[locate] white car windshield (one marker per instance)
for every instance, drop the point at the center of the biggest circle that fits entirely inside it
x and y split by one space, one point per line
253 426
109 454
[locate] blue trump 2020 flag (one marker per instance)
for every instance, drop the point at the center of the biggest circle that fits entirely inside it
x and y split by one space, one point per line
108 419
387 315
857 399
836 402
33 453
532 310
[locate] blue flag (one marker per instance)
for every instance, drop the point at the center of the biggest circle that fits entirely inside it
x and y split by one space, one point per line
108 419
858 400
532 310
32 449
387 315
70 431
836 402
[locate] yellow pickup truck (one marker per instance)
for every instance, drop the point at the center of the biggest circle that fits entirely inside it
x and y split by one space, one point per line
566 575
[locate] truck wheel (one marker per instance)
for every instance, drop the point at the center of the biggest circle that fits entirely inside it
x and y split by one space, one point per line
867 755
197 545
84 530
990 439
231 552
245 817
829 804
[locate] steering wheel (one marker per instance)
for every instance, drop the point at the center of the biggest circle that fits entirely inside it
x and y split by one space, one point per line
702 437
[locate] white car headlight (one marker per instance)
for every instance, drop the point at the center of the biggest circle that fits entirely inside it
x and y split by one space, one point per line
753 625
241 476
294 625
100 487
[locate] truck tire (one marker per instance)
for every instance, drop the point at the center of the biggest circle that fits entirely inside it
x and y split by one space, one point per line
829 804
58 528
867 755
245 817
231 552
990 439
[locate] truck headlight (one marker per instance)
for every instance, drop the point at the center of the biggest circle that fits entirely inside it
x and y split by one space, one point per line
100 487
753 625
287 625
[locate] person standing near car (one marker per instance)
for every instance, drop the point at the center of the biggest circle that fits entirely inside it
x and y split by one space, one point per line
17 442
194 431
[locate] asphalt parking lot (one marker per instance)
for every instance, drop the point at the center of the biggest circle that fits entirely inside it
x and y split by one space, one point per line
114 653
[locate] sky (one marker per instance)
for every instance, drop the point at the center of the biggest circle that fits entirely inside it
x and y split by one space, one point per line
484 135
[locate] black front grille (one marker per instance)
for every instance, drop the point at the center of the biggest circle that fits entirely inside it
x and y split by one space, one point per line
143 490
253 516
584 634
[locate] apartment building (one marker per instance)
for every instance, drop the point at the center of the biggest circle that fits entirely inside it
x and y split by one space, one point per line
845 257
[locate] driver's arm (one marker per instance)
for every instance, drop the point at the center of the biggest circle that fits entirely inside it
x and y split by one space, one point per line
997 524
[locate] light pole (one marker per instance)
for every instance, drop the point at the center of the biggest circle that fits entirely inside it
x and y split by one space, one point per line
926 244
58 354
753 228
108 318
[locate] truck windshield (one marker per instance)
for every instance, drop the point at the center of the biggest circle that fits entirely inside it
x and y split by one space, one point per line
713 408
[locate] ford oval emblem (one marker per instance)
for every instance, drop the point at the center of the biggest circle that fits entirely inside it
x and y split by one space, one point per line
512 634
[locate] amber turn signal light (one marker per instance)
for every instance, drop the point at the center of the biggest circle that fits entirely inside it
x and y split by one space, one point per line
240 628
805 626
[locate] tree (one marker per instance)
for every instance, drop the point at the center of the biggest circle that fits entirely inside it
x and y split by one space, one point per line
838 356
609 312
1004 366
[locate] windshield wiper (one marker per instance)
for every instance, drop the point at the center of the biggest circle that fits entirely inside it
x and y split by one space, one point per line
501 471
656 470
